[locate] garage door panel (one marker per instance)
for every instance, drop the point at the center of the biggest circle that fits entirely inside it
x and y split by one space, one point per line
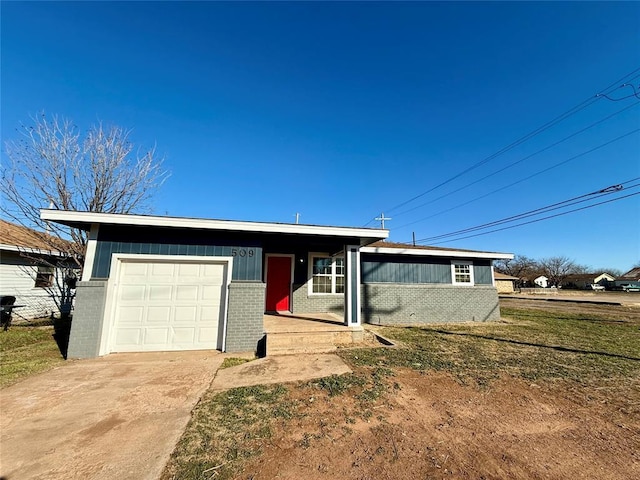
212 271
131 315
212 292
158 314
209 311
187 314
127 338
133 293
132 269
156 336
162 269
184 336
160 292
171 305
206 335
189 270
187 292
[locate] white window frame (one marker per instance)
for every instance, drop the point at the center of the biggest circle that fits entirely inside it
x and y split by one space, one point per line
469 263
333 274
44 277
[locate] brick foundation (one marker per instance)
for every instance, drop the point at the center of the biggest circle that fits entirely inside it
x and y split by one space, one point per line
387 304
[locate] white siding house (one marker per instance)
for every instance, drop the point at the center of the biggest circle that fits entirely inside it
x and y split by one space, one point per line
24 276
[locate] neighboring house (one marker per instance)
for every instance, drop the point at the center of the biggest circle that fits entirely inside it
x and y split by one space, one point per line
24 270
165 283
632 277
541 281
585 280
505 283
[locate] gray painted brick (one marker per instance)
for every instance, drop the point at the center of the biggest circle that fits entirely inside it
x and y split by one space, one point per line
387 304
86 326
305 303
245 325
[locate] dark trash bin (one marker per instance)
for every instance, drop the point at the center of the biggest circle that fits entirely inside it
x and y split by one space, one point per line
7 304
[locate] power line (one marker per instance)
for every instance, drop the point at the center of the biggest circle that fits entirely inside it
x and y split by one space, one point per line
572 111
538 211
539 219
540 172
521 160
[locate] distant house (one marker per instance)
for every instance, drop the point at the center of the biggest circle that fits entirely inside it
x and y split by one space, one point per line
505 283
541 281
585 280
631 277
25 273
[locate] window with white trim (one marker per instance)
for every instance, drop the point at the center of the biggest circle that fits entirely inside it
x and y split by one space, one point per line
44 277
327 274
462 273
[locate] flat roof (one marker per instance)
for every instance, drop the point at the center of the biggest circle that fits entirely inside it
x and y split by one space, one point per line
392 248
84 221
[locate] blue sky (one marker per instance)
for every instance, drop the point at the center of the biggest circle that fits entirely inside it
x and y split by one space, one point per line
341 111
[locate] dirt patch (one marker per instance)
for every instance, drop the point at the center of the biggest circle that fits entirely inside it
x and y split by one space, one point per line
618 312
429 425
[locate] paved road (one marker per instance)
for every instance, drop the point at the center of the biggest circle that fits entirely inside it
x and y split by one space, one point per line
116 417
617 298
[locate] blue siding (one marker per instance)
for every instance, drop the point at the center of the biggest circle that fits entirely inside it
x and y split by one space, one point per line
399 270
417 270
244 267
482 274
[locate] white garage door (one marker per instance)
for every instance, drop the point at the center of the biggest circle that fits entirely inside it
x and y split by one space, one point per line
168 305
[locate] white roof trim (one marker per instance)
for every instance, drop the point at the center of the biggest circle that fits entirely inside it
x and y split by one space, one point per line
435 253
88 218
35 251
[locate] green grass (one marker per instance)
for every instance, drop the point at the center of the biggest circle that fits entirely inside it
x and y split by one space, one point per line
226 429
234 361
533 345
582 351
26 351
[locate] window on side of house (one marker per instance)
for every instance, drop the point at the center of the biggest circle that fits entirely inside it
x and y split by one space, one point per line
462 272
44 277
327 274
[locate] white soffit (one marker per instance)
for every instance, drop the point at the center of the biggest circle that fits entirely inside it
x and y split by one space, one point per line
86 219
435 253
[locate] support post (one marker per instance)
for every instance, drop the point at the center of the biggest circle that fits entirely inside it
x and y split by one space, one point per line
352 316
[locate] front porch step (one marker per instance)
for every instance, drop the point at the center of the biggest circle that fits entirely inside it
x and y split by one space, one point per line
288 343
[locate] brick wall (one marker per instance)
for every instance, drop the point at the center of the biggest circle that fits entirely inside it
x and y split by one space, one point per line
245 326
384 303
305 303
86 326
504 286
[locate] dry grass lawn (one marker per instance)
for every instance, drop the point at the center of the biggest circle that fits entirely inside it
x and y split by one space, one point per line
546 393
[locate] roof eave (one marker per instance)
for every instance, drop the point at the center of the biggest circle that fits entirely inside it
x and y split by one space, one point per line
437 253
84 221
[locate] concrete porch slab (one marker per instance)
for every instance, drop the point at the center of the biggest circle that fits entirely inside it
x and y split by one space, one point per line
303 322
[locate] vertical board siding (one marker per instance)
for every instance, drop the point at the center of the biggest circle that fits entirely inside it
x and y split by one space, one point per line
244 267
397 270
482 274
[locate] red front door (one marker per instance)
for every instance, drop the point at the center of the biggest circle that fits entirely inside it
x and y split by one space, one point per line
278 284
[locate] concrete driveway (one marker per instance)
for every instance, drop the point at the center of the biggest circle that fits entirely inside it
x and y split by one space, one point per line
118 416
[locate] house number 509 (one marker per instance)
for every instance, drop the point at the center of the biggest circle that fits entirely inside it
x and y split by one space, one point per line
241 252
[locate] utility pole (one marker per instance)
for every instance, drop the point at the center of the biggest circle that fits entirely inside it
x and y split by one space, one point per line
382 218
414 238
297 215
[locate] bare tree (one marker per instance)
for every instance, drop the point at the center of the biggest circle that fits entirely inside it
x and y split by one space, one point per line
51 165
520 266
557 269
